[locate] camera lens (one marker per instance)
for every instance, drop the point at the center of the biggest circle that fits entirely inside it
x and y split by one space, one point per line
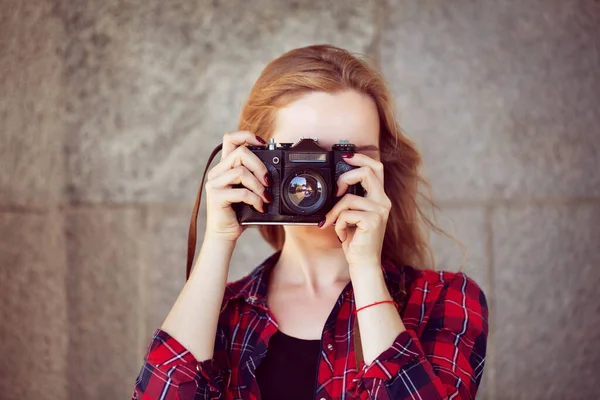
305 192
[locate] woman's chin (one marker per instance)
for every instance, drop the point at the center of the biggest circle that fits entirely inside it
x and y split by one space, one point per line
311 232
307 230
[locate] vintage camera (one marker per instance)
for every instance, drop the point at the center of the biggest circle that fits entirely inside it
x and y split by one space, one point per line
304 177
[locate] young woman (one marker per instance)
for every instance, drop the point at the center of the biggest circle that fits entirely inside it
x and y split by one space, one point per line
290 329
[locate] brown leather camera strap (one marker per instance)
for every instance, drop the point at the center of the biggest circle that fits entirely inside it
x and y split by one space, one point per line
194 220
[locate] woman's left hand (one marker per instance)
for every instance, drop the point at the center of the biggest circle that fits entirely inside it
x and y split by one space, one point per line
360 222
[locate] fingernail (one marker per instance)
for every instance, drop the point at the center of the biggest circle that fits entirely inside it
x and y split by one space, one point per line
339 239
347 155
268 179
261 140
322 222
268 196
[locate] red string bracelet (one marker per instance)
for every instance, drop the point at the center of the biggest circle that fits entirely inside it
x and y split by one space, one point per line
376 303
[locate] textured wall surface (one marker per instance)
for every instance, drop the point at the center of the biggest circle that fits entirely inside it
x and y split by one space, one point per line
108 111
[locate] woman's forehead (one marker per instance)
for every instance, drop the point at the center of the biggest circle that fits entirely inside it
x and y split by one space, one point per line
329 117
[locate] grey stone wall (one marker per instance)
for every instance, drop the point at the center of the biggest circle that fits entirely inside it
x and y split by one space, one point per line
109 109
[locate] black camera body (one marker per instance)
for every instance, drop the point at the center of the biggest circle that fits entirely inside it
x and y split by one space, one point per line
304 177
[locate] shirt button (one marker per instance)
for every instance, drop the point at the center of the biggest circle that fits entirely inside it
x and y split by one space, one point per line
330 346
252 298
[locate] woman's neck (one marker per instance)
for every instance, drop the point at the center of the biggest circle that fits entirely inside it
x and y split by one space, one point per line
311 258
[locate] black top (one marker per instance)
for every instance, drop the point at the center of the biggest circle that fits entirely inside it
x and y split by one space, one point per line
289 369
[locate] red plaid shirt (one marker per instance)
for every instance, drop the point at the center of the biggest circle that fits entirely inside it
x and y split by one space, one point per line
440 355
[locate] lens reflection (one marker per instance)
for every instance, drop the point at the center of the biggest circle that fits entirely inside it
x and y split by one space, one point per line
305 190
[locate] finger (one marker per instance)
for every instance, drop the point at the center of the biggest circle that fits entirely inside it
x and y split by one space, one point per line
245 157
363 220
351 202
226 197
362 160
232 140
366 177
239 175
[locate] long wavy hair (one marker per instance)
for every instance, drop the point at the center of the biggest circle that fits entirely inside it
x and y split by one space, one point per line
325 68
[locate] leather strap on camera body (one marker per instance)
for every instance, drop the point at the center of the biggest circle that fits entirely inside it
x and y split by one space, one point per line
192 250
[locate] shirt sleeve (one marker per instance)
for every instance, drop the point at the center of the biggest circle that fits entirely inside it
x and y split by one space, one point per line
446 362
171 372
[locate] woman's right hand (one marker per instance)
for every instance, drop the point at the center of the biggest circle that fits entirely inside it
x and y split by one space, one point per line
238 165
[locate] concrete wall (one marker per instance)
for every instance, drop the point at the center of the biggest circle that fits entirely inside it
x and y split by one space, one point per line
108 110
